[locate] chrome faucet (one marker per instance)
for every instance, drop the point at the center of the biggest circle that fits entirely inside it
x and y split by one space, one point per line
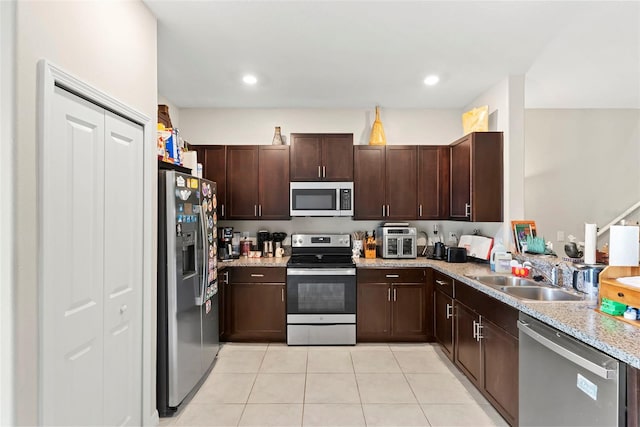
554 279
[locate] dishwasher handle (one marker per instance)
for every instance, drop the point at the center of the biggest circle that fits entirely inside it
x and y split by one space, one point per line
594 368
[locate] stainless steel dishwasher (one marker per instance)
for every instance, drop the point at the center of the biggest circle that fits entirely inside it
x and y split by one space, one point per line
564 382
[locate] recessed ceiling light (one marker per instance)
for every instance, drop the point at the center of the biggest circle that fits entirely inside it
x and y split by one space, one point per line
250 79
431 80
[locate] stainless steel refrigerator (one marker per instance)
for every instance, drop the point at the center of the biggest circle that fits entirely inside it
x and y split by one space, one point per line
187 286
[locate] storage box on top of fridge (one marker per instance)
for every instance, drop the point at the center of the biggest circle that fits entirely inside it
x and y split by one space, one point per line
168 146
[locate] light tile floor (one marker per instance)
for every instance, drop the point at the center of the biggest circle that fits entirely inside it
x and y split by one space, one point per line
365 385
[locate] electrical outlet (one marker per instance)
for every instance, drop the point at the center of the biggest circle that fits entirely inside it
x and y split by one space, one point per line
452 235
560 236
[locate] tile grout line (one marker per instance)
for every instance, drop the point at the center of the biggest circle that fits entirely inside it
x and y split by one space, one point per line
404 374
304 390
244 408
353 366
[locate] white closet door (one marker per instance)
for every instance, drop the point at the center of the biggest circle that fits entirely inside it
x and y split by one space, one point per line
123 271
72 254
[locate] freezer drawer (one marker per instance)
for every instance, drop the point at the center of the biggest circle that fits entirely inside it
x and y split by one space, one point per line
564 382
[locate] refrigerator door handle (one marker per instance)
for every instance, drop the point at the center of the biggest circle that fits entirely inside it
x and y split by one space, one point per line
203 286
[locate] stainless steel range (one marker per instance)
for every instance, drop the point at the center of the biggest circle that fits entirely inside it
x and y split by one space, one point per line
321 290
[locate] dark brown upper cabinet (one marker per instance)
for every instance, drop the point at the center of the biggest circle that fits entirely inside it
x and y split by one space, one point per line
477 177
433 182
321 157
258 181
385 182
214 168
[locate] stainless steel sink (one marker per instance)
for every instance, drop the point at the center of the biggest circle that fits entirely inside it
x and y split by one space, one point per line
540 293
526 289
500 281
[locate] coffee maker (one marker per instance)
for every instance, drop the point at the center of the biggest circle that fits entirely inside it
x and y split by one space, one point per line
225 243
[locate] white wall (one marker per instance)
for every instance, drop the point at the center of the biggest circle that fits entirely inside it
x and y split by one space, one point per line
581 166
506 109
111 45
7 142
256 126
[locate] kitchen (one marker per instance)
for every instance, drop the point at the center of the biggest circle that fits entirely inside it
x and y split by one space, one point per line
38 39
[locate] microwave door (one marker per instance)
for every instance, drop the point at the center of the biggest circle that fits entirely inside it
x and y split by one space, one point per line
313 201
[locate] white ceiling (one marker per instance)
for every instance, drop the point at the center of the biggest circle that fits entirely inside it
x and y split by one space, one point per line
354 54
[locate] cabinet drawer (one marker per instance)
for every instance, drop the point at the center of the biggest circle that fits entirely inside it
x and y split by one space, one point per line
620 294
443 283
258 274
391 275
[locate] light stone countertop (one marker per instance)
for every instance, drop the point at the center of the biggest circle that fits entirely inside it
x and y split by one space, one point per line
254 262
614 337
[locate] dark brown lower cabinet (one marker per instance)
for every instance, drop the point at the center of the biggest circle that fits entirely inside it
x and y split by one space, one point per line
500 370
467 346
393 305
443 321
257 307
409 311
480 335
373 312
486 347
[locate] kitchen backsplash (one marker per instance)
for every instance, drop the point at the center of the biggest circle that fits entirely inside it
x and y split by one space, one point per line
347 225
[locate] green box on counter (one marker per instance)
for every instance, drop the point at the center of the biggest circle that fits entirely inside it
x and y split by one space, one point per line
612 307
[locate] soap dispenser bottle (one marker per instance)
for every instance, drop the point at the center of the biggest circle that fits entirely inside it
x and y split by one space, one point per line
498 248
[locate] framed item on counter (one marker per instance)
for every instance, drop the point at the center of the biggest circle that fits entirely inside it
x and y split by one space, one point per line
522 229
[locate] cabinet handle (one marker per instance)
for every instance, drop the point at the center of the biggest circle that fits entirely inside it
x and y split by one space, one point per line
319 175
259 210
255 210
392 276
420 210
388 211
479 336
395 294
226 277
282 294
467 209
324 172
257 275
383 211
222 209
477 326
442 283
388 294
449 311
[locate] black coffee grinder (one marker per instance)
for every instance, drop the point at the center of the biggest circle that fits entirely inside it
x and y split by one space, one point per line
262 236
225 243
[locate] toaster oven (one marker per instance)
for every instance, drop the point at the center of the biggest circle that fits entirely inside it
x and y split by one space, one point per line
397 242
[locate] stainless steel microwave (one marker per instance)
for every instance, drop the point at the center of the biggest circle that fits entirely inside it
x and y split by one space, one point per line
321 199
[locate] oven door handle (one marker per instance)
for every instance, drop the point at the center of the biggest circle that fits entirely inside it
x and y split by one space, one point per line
321 271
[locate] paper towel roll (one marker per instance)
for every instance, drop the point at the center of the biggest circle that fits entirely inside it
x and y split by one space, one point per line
623 245
590 241
190 160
